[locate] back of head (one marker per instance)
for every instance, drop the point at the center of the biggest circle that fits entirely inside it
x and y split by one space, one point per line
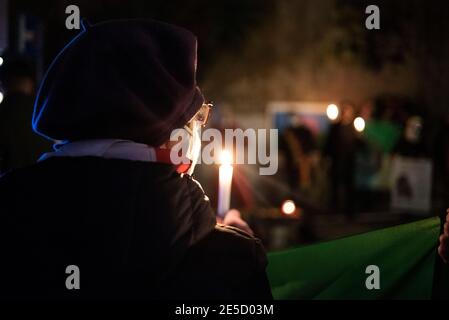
127 79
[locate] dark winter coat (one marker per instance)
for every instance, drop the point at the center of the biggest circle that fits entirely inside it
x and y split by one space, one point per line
19 145
135 230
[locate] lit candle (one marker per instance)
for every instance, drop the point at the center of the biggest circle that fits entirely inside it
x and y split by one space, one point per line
224 183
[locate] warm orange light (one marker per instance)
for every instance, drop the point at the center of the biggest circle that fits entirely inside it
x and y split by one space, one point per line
288 207
225 157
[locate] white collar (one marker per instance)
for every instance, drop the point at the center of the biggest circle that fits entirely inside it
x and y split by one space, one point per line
104 148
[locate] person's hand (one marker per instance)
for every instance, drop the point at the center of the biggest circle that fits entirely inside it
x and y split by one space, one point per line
234 219
443 249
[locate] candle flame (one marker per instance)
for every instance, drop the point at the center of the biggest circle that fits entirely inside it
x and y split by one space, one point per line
288 207
225 157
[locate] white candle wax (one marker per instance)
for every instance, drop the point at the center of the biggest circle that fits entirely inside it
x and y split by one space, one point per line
224 189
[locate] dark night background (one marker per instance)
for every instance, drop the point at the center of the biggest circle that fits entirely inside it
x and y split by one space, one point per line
289 49
252 52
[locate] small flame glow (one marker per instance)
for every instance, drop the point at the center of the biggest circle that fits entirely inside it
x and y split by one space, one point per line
225 157
288 207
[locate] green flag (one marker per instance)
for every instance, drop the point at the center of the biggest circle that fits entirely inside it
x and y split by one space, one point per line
404 255
382 134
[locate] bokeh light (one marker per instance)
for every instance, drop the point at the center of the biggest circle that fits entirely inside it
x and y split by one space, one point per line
288 207
359 124
332 112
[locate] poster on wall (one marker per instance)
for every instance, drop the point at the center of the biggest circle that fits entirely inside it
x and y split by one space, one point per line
411 185
311 115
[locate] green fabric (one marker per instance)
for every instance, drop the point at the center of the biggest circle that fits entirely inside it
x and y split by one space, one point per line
405 255
382 134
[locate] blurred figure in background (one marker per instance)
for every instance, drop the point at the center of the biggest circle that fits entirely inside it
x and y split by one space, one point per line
340 148
412 143
440 155
19 145
299 145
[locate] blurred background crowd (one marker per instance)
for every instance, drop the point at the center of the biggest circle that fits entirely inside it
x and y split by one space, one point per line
362 115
